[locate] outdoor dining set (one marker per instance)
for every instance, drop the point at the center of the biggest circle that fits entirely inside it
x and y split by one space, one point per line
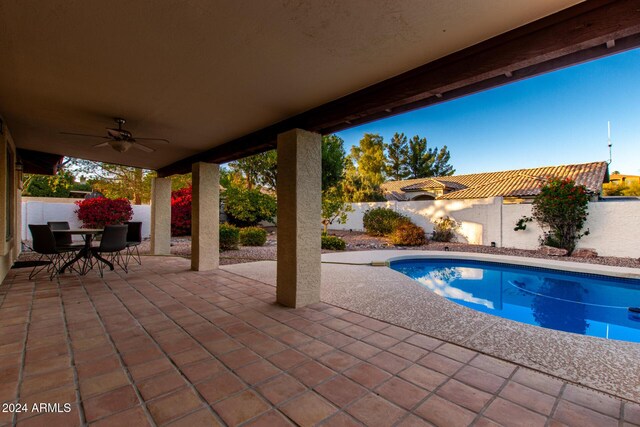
117 245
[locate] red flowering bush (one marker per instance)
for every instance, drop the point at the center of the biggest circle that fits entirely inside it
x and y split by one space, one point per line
98 212
561 210
181 212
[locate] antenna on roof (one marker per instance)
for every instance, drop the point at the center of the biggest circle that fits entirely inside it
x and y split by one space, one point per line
609 140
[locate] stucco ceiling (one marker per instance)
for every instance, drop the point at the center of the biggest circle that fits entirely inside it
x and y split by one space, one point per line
201 73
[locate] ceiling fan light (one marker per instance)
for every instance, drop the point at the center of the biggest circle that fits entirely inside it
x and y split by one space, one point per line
120 146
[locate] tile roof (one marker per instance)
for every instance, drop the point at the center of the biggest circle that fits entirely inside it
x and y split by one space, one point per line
433 183
514 183
393 189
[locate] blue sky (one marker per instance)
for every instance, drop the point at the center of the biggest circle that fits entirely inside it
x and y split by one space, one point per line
557 118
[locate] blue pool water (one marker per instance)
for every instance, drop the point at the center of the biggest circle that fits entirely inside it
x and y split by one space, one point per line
571 302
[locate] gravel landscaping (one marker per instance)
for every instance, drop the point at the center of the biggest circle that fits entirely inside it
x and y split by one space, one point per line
358 241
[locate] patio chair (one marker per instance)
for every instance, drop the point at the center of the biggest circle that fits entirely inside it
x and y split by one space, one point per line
44 243
63 240
112 243
134 238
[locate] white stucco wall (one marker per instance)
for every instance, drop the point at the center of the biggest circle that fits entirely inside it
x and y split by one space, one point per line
37 211
479 218
613 226
523 239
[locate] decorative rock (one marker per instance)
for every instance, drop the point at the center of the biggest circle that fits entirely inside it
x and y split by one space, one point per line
585 253
551 251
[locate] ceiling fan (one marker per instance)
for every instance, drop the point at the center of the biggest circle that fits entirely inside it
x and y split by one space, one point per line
121 139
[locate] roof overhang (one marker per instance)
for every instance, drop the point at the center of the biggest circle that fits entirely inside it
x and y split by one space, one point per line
38 162
578 34
221 80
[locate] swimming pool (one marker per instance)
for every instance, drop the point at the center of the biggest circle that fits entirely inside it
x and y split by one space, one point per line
572 302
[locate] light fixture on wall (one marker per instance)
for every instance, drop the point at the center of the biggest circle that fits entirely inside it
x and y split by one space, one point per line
19 165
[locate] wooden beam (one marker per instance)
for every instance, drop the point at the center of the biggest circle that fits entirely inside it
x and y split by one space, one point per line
38 162
574 35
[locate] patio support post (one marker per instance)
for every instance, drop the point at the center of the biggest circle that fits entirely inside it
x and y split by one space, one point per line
299 217
161 216
205 216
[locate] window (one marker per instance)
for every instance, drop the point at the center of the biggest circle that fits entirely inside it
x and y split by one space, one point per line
9 194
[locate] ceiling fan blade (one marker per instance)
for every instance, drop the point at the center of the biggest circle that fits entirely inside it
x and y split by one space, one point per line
102 144
160 140
143 147
84 134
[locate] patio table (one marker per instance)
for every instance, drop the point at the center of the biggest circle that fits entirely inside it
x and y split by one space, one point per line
85 252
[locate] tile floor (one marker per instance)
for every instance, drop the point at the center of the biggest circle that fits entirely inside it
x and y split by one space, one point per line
167 346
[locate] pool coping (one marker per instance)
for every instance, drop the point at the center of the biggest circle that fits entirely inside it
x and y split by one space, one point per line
382 256
351 282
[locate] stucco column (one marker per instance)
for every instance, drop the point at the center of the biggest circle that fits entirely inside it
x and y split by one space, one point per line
205 216
161 216
299 217
17 226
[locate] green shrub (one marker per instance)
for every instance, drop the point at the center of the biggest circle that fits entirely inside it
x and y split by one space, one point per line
444 229
229 237
253 236
246 207
333 243
561 210
382 221
408 234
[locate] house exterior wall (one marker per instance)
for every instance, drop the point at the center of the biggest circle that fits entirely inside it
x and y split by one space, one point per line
40 210
611 224
9 245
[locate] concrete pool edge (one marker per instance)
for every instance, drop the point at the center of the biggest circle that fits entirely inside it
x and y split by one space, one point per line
387 295
368 257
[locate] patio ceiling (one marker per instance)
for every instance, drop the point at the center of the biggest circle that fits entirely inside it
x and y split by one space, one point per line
221 79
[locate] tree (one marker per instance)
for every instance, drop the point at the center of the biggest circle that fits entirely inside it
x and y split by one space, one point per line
425 162
613 189
259 169
441 166
116 181
334 207
248 206
632 189
59 185
365 170
418 158
178 182
333 161
397 151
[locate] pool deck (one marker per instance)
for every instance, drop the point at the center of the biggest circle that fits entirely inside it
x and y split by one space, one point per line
167 346
350 282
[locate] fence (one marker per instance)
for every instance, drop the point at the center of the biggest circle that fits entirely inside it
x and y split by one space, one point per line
613 225
41 210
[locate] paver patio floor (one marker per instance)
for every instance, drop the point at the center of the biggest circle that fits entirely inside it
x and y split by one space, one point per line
163 345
